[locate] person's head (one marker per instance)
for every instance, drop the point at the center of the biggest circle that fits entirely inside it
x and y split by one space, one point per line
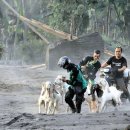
118 52
96 54
64 62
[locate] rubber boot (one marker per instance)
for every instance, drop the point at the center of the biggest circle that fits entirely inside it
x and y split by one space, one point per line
78 106
72 106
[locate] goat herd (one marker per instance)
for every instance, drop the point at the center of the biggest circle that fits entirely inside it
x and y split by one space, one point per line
53 93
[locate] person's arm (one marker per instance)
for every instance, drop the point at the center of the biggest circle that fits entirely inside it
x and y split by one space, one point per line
122 69
104 65
107 63
84 61
124 65
73 76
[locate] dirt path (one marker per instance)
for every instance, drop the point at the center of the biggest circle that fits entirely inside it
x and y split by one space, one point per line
19 91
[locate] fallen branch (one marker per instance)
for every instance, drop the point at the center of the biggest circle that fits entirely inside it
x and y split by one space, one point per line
37 66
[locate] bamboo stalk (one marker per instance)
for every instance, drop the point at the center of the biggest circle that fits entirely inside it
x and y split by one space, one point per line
38 66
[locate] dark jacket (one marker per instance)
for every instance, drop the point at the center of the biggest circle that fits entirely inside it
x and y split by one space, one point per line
91 66
76 76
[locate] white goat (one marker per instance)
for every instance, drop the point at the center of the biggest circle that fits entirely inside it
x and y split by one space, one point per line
42 95
109 93
61 86
50 97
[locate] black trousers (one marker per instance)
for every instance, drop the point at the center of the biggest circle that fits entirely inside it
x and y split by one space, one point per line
126 80
79 99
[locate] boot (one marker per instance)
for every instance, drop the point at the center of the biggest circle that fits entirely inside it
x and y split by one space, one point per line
78 107
72 106
78 110
73 110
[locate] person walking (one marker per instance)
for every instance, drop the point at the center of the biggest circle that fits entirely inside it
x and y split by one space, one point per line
118 64
90 66
77 83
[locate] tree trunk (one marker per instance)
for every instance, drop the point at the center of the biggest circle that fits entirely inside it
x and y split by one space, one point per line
15 40
108 19
25 30
72 27
47 56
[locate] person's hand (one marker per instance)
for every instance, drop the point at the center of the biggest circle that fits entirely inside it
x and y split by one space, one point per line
83 68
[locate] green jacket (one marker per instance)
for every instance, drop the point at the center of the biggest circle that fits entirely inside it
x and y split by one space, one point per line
76 77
